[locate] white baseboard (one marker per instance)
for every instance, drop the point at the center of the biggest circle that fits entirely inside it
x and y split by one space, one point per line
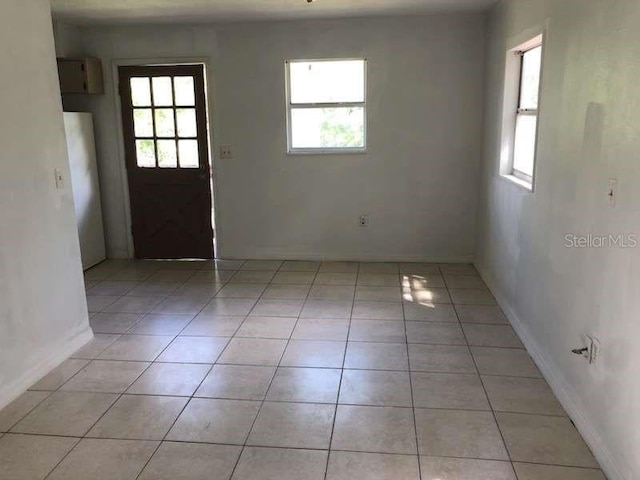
268 254
44 365
344 257
568 397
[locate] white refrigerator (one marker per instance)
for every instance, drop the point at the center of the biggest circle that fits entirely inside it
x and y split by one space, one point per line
85 187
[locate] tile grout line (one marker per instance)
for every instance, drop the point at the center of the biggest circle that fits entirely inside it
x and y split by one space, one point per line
29 412
142 316
484 389
316 449
119 396
270 283
413 404
314 402
203 378
63 458
193 316
275 371
313 367
190 398
344 359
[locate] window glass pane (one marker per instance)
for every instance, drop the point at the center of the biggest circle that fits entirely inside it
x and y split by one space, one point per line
143 122
167 156
326 82
162 92
164 123
187 126
327 127
188 153
145 153
530 81
185 91
525 144
140 92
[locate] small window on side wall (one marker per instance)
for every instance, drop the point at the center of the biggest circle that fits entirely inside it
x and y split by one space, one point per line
326 106
520 119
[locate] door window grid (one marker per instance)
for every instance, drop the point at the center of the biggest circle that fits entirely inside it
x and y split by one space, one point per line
164 106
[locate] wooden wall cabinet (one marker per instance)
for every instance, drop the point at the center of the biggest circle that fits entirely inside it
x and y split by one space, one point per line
80 75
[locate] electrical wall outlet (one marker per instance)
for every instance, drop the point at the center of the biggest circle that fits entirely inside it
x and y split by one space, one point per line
594 348
613 192
591 349
363 220
59 176
225 152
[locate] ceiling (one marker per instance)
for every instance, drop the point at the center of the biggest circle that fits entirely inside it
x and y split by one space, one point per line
136 11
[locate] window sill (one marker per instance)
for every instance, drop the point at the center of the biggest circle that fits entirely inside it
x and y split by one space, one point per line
518 182
328 151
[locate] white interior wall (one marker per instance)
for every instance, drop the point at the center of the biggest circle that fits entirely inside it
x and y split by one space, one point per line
589 114
43 311
67 39
417 182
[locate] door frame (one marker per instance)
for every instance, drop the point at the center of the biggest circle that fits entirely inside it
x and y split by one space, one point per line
211 122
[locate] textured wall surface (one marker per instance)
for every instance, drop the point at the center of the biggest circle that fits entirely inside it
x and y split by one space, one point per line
589 121
417 181
43 311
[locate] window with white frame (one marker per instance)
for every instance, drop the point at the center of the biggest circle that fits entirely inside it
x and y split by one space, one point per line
522 95
326 106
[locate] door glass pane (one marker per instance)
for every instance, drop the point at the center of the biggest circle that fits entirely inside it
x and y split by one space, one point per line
525 144
188 153
167 155
140 92
187 126
145 153
324 82
164 123
143 122
327 127
185 91
162 92
530 81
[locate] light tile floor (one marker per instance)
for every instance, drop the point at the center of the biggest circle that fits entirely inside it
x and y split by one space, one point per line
269 370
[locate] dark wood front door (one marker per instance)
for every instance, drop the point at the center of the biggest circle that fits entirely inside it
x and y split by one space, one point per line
164 120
